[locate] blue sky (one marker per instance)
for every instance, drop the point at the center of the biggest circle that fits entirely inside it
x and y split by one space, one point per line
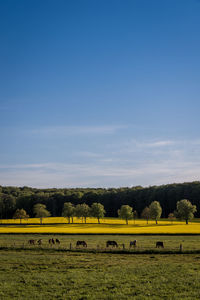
99 93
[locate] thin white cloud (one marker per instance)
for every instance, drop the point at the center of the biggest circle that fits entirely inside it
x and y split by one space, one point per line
93 175
136 163
24 166
194 142
151 144
88 154
159 144
76 130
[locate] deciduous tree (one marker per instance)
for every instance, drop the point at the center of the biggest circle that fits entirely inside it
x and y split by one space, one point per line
40 211
125 212
20 214
68 211
83 210
185 210
171 217
146 214
135 215
155 210
97 211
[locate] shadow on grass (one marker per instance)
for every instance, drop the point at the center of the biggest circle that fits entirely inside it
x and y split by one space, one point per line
83 225
99 251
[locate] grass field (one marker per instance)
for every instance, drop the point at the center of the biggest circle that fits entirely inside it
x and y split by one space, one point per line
107 226
42 275
98 242
54 272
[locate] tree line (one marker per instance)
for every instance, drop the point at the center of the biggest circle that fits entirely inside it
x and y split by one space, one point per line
13 198
185 210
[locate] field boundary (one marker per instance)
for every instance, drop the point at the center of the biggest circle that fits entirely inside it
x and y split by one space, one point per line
102 234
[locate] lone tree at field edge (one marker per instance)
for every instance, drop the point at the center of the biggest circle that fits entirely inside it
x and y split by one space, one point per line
185 210
40 211
125 212
155 210
97 211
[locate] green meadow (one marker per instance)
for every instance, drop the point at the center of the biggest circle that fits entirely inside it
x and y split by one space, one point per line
54 272
98 242
55 275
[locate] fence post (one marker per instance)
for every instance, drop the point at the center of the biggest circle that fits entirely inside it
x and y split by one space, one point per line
181 247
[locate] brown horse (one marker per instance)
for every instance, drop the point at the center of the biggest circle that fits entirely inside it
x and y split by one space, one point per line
57 241
31 242
51 242
111 243
133 243
159 244
81 243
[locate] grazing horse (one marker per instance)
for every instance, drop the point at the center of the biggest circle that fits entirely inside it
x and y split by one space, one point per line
133 243
159 244
111 243
51 242
39 242
57 241
31 242
81 243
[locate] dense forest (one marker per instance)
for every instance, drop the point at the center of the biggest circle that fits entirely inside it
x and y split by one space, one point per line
12 198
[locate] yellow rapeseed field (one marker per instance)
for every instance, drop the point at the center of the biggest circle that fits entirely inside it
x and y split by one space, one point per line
107 226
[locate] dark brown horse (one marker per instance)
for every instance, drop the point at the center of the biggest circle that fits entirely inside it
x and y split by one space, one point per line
57 241
111 243
133 243
81 243
159 244
31 242
51 242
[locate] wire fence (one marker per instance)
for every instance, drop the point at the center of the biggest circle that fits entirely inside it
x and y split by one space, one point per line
120 248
